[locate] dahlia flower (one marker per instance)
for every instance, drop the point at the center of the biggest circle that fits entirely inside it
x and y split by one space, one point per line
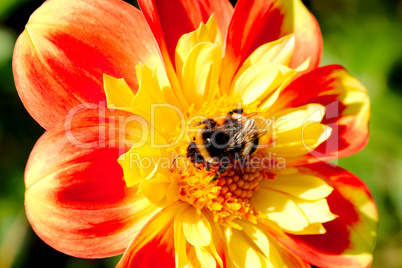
124 167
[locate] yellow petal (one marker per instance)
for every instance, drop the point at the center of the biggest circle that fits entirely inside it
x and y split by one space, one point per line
316 211
264 71
198 59
279 52
187 42
201 73
280 256
243 252
301 141
276 254
213 31
205 258
140 163
298 131
217 246
292 118
180 242
155 100
196 227
292 214
260 80
156 189
299 185
118 93
313 228
257 235
270 100
281 209
169 95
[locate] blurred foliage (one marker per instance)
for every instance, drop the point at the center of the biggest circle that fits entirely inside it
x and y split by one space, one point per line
365 36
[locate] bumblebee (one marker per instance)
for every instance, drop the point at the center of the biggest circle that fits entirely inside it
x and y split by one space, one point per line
217 143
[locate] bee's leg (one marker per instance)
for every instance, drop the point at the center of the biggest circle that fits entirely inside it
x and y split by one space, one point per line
207 165
174 160
215 177
221 169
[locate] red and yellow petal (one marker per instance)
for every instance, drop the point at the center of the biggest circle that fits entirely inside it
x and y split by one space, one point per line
169 20
76 199
177 236
347 109
154 245
308 38
67 46
349 239
263 21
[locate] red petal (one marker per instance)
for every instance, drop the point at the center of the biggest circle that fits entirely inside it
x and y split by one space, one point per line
350 238
256 22
154 244
169 20
348 119
60 58
76 198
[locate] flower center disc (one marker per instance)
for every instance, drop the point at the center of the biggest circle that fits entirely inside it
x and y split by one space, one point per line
229 196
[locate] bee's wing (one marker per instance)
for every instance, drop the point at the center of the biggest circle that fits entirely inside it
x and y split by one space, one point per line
244 134
262 123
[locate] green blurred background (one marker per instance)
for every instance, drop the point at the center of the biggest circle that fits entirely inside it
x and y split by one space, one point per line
365 36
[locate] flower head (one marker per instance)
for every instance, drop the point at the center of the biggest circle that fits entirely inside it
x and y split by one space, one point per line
209 153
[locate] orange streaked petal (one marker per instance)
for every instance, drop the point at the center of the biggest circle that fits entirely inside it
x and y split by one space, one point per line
263 21
349 239
154 245
347 108
67 46
169 20
76 199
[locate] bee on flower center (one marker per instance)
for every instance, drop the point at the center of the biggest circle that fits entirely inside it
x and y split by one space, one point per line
218 143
